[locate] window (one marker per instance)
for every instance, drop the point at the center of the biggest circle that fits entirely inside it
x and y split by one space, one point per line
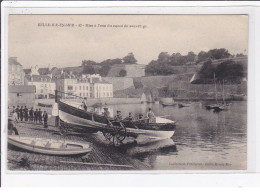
80 94
79 87
70 87
41 90
86 87
83 87
83 94
75 87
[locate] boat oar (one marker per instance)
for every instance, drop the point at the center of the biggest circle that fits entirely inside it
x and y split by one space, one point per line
97 164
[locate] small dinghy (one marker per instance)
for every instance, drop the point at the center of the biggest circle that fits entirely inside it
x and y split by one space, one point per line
49 146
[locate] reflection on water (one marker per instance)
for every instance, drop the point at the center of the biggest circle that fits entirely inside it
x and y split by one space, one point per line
202 140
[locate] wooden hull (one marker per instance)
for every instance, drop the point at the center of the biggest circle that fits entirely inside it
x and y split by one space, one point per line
48 146
91 122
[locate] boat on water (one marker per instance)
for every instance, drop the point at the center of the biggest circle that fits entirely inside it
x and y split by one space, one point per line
49 146
168 104
182 105
218 106
91 122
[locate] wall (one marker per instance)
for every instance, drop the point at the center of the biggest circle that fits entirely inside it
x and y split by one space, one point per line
135 70
120 83
27 99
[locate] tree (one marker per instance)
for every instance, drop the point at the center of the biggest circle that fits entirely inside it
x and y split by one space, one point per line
163 58
103 71
88 70
219 53
191 56
130 58
88 62
203 56
122 73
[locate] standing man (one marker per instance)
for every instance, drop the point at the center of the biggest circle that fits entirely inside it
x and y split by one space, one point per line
40 116
31 113
35 115
12 124
21 113
151 116
84 104
45 119
13 109
17 110
106 113
26 113
118 116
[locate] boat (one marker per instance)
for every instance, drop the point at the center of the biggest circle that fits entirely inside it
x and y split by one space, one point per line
91 122
181 105
143 98
49 146
45 105
218 106
168 104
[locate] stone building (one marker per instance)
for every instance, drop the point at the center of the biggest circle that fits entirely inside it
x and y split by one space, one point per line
88 86
15 72
44 85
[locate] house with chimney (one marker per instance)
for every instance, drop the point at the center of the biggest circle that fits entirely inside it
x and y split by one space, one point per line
41 78
15 72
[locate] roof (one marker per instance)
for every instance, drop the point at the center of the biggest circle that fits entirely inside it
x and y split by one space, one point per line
21 89
44 71
99 82
38 78
27 71
13 61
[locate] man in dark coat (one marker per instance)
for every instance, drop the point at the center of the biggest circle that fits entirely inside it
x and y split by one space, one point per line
17 110
21 113
35 115
13 109
40 116
31 113
45 119
26 113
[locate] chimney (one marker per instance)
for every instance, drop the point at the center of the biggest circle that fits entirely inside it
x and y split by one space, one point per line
13 59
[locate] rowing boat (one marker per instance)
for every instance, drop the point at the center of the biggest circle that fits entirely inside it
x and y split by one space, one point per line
90 122
49 146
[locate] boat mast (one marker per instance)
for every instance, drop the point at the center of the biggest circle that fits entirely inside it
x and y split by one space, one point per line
223 93
215 88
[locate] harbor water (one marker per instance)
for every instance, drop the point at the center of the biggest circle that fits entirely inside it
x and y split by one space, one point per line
203 139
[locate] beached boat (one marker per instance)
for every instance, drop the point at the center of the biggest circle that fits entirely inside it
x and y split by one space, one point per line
90 122
49 146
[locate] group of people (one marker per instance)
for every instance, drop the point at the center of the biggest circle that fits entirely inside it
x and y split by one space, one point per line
150 116
36 116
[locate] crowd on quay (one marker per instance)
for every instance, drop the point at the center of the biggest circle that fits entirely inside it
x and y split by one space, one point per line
24 114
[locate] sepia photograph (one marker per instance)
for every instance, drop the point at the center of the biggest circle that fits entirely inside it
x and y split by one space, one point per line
127 92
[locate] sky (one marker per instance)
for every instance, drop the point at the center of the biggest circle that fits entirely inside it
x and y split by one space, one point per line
58 46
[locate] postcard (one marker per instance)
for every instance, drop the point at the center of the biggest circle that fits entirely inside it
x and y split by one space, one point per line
127 93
